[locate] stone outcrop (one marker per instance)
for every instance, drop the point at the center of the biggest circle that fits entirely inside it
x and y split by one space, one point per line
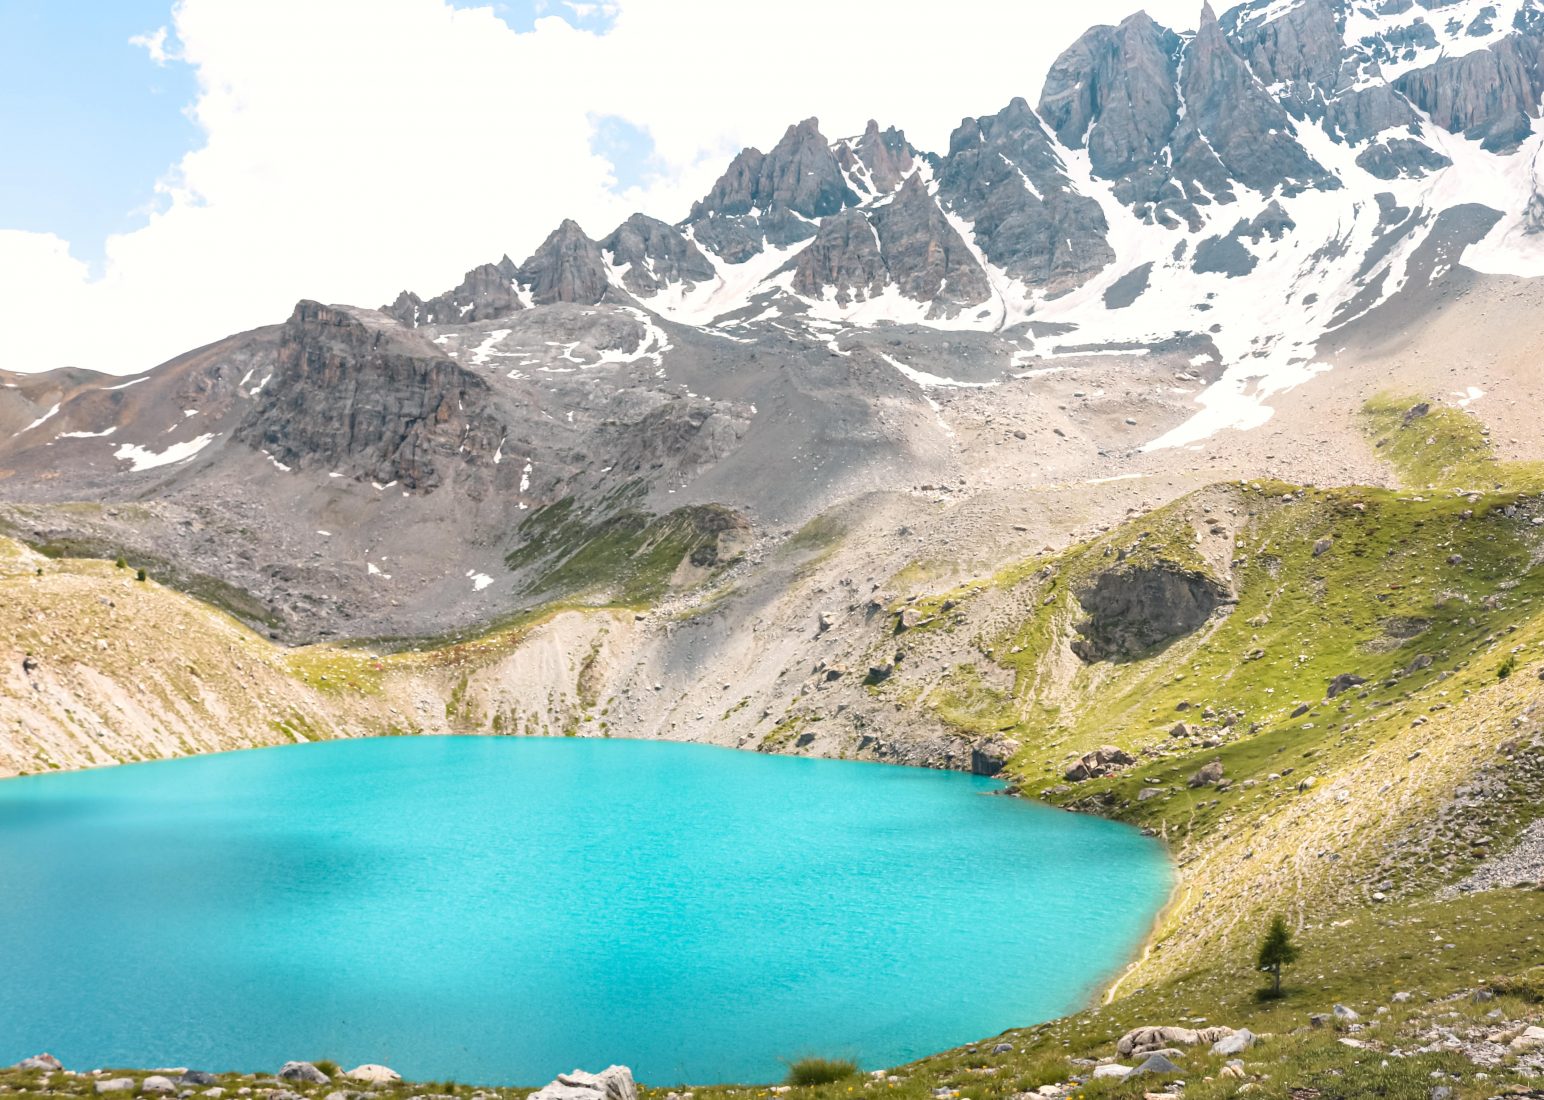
926 257
1132 610
844 256
991 756
1233 130
396 408
488 292
1101 762
1115 93
1146 1040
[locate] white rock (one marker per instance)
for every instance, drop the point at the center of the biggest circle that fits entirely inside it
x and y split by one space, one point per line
115 1084
612 1083
1531 1039
158 1084
1240 1041
374 1074
1112 1070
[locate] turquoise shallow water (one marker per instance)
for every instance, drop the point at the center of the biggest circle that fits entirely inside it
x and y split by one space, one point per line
498 910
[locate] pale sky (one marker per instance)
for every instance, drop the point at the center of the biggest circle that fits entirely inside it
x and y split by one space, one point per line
178 172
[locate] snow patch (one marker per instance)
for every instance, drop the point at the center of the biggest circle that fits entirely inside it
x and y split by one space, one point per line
142 459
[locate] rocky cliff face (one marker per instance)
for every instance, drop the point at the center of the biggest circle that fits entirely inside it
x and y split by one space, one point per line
1005 178
396 410
651 256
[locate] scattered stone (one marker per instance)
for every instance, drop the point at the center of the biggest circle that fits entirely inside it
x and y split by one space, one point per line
1240 1041
1346 1015
302 1073
1156 1064
155 1083
196 1077
115 1084
1003 1048
1209 775
1322 547
1114 1069
1299 710
1402 998
1343 683
1320 1019
1148 792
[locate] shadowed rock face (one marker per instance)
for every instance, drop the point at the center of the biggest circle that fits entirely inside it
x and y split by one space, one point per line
655 255
1489 96
568 267
1231 120
1004 176
1132 610
844 255
1114 92
908 243
355 394
928 260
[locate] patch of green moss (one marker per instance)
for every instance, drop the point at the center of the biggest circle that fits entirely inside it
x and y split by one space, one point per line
628 557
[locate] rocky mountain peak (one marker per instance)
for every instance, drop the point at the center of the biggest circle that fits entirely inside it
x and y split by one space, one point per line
887 156
653 255
800 174
567 267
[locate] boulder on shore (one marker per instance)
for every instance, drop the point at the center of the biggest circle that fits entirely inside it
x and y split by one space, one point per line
43 1061
611 1083
374 1074
302 1073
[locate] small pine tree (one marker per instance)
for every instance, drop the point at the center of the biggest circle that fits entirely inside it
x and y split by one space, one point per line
120 563
1277 951
140 575
1508 666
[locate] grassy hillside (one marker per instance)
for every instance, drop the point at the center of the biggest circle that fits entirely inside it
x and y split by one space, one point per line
1362 699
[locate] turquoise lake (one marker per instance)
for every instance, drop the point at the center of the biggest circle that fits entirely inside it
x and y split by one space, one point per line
498 910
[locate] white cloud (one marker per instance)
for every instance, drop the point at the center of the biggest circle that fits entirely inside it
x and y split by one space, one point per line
153 44
354 147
